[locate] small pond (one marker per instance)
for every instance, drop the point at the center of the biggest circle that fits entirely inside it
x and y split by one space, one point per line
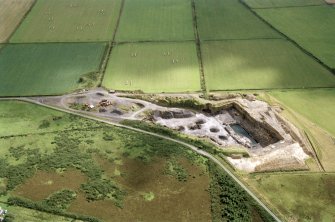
241 131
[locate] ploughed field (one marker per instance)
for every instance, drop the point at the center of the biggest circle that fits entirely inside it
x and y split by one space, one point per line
11 13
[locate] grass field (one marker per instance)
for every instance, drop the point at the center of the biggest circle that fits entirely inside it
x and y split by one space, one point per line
11 13
24 214
282 3
156 20
40 69
18 118
157 67
261 64
229 19
317 37
308 197
69 21
316 105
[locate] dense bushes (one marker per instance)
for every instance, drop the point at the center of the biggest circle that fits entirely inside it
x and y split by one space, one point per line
103 189
229 201
17 174
60 200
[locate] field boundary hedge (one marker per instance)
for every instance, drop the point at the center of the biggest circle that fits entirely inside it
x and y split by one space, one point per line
330 69
104 63
198 48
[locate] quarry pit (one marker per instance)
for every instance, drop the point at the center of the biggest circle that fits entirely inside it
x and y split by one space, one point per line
240 122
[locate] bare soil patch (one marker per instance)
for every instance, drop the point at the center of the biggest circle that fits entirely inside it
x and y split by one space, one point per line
11 13
43 183
330 1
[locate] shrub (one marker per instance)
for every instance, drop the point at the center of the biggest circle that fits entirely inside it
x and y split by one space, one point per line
45 124
60 200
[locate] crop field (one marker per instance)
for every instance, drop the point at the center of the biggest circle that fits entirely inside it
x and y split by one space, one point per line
317 37
261 64
156 67
306 197
69 21
11 13
41 69
229 19
282 3
156 20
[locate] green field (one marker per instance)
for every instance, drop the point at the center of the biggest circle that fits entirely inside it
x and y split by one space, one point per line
20 118
316 105
229 19
41 69
282 3
24 214
156 20
153 69
311 27
299 197
69 21
261 64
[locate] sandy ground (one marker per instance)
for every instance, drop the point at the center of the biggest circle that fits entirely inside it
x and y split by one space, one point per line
11 13
286 157
330 1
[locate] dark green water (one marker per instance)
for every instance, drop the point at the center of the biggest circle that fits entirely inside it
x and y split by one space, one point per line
241 131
